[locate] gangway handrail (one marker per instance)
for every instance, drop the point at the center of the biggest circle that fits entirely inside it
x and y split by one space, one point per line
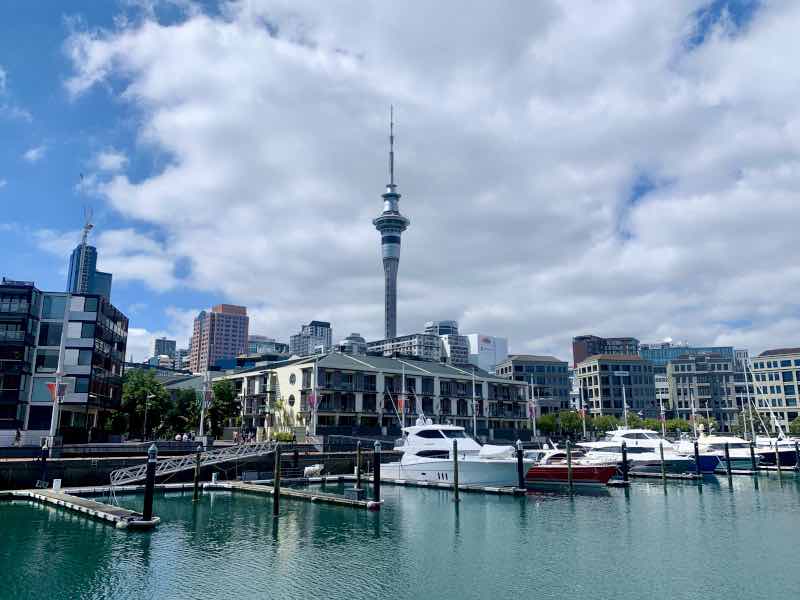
177 464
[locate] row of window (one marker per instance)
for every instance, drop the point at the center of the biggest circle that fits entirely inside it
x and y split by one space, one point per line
774 364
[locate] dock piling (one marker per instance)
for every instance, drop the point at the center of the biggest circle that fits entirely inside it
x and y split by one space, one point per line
358 465
276 483
753 461
663 466
520 467
796 456
624 462
196 495
569 463
149 483
777 459
728 460
376 473
455 471
696 458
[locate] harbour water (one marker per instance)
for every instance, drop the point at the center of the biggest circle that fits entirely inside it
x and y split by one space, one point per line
683 541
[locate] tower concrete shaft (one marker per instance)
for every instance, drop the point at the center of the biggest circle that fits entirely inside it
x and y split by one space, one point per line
391 225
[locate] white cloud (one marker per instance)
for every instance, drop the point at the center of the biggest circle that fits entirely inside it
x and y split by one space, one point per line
35 154
110 160
3 183
3 79
521 135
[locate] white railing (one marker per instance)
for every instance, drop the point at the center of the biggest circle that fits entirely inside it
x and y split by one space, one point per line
186 462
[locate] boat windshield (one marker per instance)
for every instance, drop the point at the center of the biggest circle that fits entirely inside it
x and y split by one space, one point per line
454 433
721 445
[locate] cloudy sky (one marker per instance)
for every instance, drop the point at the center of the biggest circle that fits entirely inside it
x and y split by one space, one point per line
569 167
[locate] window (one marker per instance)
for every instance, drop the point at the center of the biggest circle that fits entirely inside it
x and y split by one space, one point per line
90 305
787 375
50 334
786 363
75 357
53 307
430 434
291 397
81 385
76 303
46 361
292 379
452 433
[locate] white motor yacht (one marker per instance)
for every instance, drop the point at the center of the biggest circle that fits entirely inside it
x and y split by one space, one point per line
738 449
428 456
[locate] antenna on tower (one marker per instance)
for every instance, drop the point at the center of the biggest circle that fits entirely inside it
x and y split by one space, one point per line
391 145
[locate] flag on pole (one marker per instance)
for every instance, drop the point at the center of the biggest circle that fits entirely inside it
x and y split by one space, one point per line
57 391
312 401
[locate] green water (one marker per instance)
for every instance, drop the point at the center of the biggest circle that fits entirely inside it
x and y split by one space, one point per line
690 542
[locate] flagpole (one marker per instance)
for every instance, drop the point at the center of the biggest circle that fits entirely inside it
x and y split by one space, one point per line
583 409
403 393
316 398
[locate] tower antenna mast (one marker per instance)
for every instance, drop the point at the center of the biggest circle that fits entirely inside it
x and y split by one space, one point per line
391 145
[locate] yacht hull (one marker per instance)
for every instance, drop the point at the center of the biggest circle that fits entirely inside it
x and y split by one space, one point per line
787 456
558 475
470 471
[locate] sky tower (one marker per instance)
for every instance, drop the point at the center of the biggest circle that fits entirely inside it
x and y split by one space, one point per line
391 224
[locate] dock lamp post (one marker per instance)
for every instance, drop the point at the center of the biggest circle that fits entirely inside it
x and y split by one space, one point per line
621 375
146 403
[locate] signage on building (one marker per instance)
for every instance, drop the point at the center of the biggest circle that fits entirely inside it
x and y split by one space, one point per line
486 344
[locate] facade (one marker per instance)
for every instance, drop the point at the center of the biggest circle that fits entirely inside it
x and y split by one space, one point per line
662 391
84 334
455 347
368 394
603 388
83 276
703 385
391 225
441 327
313 338
585 346
416 345
261 344
163 346
776 379
547 379
219 334
487 351
661 353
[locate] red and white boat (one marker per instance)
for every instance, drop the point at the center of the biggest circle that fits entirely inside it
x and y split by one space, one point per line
550 470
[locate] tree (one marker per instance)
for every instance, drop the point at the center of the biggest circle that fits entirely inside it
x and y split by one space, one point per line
653 424
570 422
708 424
794 427
182 414
142 392
603 423
678 425
224 407
547 423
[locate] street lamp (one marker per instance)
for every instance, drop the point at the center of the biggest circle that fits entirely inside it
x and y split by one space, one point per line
620 375
146 402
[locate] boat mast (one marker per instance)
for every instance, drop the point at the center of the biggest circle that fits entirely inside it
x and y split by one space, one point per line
583 408
749 407
474 408
403 393
694 415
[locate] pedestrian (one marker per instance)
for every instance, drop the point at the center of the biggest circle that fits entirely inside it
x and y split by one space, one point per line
185 437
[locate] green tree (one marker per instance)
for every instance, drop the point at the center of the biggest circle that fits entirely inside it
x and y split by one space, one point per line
142 392
653 424
547 423
708 424
794 427
678 425
182 414
570 422
224 407
634 420
603 423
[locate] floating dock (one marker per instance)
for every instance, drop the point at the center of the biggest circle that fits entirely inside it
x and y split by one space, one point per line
672 476
267 490
121 518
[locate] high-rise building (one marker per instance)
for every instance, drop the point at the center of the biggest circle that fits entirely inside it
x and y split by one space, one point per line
353 344
584 346
261 344
703 385
547 378
218 334
39 330
425 346
314 338
487 351
455 347
164 347
776 387
391 225
662 352
83 276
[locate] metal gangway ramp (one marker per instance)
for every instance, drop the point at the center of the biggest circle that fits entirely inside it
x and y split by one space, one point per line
186 462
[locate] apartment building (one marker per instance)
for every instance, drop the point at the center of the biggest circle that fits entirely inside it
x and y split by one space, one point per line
776 382
547 379
218 334
703 385
608 380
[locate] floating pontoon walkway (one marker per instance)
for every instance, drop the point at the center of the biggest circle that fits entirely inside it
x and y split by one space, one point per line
311 496
121 518
672 476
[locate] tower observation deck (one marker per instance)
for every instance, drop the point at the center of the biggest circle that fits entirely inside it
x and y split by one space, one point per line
391 225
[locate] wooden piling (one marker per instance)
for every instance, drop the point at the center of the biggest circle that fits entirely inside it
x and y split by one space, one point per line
663 466
569 462
728 460
520 467
777 458
696 458
196 495
149 483
796 456
376 474
276 483
753 461
624 461
455 471
358 465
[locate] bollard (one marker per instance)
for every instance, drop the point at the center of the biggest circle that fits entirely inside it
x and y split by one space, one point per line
455 471
728 460
777 458
624 461
376 473
520 467
663 466
796 456
569 462
149 483
276 483
196 496
753 461
697 459
358 465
